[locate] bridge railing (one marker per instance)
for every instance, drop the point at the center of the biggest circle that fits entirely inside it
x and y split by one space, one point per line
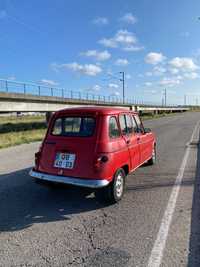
42 90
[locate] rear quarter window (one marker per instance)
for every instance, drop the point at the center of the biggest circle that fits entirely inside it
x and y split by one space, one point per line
114 131
74 126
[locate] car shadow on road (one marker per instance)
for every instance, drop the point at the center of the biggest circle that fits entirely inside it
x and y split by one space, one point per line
194 246
23 202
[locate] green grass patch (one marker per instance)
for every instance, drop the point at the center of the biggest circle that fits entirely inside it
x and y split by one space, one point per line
18 138
19 130
22 126
18 119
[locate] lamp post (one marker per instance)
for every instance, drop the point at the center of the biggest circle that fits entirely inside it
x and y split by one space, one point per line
123 84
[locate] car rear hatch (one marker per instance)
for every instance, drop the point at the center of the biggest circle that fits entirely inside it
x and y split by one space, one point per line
70 146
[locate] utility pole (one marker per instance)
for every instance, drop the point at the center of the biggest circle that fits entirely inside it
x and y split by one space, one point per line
165 93
185 100
162 101
123 84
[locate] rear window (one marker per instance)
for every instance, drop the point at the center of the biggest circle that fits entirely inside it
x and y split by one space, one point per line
74 126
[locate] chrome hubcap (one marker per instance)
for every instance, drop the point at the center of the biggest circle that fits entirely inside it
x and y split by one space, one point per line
119 185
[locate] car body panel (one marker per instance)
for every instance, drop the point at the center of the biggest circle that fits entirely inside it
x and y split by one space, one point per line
125 151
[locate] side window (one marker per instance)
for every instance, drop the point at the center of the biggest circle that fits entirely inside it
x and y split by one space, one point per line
135 127
126 124
129 125
140 128
122 123
113 128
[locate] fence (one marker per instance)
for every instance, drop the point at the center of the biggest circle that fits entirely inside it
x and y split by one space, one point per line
41 90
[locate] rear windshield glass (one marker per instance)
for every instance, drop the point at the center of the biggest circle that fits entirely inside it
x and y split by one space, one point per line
74 126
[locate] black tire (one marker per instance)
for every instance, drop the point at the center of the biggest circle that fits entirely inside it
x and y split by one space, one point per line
113 193
152 160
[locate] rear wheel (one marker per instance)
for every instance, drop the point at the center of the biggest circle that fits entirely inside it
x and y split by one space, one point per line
115 190
152 160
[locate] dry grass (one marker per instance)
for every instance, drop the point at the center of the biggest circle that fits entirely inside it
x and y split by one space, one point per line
18 138
24 119
19 130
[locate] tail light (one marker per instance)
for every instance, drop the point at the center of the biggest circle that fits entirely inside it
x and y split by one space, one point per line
100 160
37 157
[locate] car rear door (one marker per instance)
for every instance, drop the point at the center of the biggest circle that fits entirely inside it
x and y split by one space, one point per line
130 138
66 139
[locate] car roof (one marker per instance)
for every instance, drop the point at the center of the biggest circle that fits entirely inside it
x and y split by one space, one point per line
94 109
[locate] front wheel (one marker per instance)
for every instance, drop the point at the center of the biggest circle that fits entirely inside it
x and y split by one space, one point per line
115 190
152 160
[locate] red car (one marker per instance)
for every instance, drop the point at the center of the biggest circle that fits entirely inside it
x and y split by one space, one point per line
94 147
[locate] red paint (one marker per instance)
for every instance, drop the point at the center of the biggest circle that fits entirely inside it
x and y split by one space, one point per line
97 156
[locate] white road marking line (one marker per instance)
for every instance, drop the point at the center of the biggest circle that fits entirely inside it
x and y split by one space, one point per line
159 245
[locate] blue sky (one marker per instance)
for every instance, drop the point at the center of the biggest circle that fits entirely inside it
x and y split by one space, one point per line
83 45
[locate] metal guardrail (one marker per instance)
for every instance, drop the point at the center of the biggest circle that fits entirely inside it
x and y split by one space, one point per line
42 90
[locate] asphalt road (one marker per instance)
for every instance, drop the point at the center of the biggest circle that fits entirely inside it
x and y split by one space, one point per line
66 226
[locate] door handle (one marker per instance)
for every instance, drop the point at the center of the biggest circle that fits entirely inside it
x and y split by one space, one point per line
138 138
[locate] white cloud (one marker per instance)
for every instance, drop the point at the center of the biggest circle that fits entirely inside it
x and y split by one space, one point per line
132 48
113 85
156 71
148 84
170 82
149 74
108 43
100 21
184 64
185 34
173 71
148 91
191 75
178 77
11 78
159 70
98 55
121 62
48 82
123 39
154 58
3 14
128 76
96 88
196 53
116 93
87 69
129 18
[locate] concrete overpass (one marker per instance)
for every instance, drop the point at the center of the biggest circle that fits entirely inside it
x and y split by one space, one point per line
28 97
17 102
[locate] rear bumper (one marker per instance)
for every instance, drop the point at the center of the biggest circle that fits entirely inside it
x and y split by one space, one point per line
92 183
